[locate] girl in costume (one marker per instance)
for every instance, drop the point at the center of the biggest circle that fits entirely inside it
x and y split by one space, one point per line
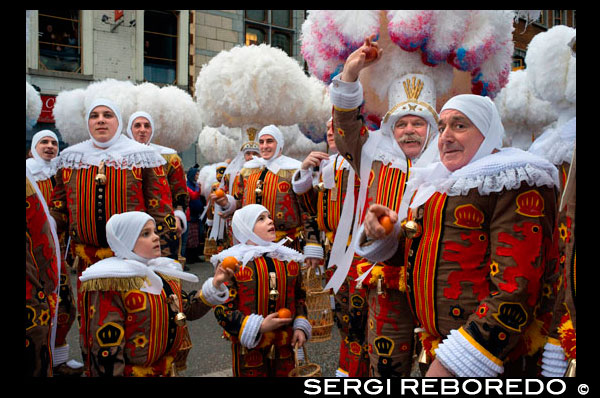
269 279
134 314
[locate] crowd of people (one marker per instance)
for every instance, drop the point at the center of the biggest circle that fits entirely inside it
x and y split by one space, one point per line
444 250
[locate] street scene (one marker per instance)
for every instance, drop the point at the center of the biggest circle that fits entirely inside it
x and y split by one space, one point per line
337 194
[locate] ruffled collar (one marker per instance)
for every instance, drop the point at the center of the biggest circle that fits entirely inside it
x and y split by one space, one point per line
125 153
506 169
244 253
116 267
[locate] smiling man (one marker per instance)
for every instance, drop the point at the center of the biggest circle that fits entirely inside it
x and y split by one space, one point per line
382 159
484 249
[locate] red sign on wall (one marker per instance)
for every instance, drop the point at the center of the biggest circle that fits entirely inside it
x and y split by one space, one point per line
46 115
118 14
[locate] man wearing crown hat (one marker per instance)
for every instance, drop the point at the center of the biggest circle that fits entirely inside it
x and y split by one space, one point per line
382 159
477 243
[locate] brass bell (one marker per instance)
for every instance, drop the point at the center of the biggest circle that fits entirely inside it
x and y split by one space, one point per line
411 229
100 179
258 190
273 294
320 187
423 359
571 368
180 319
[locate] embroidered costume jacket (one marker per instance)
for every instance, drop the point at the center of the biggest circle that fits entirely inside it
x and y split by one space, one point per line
41 280
82 206
249 296
128 332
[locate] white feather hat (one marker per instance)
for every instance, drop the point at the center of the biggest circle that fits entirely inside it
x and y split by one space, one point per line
33 105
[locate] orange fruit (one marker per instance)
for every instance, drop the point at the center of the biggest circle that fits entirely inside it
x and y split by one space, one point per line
387 224
284 313
220 193
371 53
229 262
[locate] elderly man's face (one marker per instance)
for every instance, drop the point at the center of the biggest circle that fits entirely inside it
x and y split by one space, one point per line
141 129
459 139
47 148
267 146
103 123
248 155
410 132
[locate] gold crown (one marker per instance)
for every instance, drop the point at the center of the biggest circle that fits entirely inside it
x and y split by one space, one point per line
413 87
251 131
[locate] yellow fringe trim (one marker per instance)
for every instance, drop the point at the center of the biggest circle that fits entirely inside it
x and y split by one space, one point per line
143 371
535 337
113 284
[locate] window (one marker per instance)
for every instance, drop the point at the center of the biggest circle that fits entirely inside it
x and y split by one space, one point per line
160 46
559 17
518 59
274 27
59 46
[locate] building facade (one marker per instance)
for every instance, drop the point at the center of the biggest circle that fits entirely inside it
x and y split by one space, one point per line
68 49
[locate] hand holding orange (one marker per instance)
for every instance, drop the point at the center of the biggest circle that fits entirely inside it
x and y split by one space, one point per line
387 224
284 313
230 263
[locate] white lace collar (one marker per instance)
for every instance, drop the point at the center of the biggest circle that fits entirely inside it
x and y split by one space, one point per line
505 170
244 253
125 153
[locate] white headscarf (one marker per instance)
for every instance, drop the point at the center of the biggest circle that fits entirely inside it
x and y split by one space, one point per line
487 171
484 114
243 230
122 233
41 169
278 161
116 111
134 116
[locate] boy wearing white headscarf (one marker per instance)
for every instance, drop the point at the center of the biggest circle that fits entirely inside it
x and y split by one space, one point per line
382 160
269 279
134 312
482 250
268 181
106 175
141 121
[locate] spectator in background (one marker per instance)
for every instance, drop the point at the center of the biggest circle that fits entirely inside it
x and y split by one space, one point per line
193 236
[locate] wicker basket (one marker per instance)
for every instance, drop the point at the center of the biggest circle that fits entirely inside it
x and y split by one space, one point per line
320 315
310 280
306 369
